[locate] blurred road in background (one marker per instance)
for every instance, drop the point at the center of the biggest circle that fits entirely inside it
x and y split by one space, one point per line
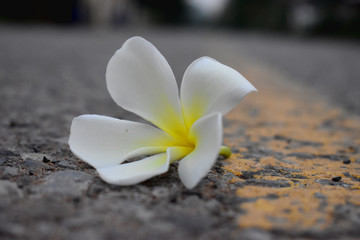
331 67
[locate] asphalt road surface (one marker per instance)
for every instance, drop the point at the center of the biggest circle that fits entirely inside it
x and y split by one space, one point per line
293 141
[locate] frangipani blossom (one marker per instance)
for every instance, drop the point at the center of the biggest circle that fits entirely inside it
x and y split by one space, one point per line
141 81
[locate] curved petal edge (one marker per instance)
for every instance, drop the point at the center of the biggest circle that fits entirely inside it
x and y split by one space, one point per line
135 172
209 86
141 170
140 80
207 132
104 141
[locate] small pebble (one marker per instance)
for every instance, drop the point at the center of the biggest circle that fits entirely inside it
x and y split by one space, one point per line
336 179
347 161
46 160
10 172
12 124
66 164
2 160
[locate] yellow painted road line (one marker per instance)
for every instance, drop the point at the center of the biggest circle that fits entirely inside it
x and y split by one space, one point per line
291 148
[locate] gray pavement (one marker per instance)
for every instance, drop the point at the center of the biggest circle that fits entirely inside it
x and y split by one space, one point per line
329 66
50 75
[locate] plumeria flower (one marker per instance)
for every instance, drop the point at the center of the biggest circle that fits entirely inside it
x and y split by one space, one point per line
141 81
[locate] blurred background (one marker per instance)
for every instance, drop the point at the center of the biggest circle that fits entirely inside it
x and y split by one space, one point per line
303 17
59 49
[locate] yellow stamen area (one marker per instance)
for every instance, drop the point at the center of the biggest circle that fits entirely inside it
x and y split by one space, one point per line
173 124
179 153
195 111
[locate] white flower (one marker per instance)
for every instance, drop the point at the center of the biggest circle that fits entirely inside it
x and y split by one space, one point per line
141 81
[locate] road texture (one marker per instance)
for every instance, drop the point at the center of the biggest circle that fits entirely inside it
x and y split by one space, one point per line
295 171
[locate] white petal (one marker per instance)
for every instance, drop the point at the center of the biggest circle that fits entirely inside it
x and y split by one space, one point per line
141 81
209 86
104 141
207 133
135 172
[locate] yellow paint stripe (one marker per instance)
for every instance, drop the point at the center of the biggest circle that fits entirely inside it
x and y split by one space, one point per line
283 118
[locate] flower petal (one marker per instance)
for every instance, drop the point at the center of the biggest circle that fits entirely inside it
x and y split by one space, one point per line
138 171
141 81
207 133
104 141
209 86
135 172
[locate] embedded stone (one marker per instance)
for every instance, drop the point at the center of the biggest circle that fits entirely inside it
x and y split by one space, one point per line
68 184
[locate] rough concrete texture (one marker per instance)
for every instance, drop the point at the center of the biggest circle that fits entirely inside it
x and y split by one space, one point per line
295 171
